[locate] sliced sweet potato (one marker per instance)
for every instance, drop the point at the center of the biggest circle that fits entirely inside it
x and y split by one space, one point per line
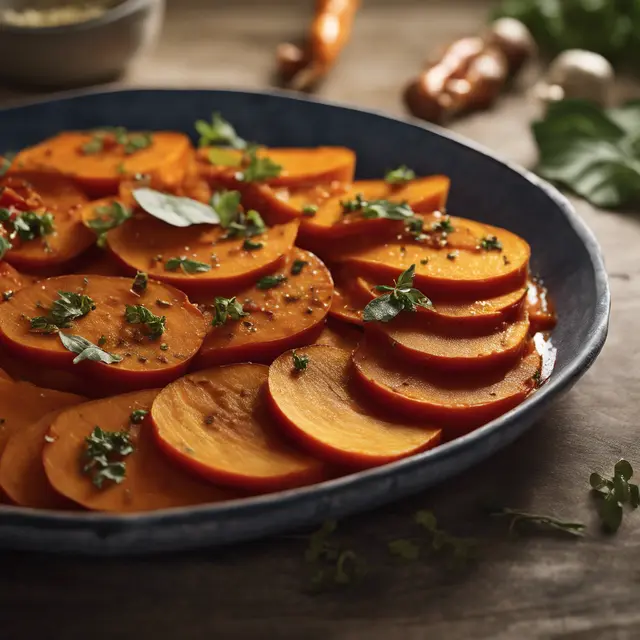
216 424
460 267
99 262
322 409
22 475
147 244
457 402
56 192
10 281
348 301
417 340
330 222
540 308
22 403
5 376
451 312
340 335
289 315
146 361
100 170
151 480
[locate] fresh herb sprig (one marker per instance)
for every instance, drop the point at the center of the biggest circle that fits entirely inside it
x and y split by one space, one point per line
518 518
371 209
108 217
257 169
139 314
219 133
225 309
68 307
613 493
399 176
401 297
103 456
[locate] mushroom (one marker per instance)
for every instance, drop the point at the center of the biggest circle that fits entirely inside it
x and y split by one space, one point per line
514 40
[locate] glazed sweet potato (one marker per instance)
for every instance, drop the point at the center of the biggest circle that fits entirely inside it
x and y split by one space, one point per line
416 340
216 424
340 335
146 360
322 409
151 481
22 403
10 281
286 316
147 244
540 308
348 301
330 221
22 475
460 267
97 162
4 376
457 402
55 192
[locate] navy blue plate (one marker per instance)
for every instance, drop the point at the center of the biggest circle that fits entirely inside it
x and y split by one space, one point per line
565 254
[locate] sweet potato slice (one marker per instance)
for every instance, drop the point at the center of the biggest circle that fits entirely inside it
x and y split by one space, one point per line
56 192
147 244
451 312
340 335
100 171
145 361
289 315
348 301
4 376
424 195
460 267
417 340
151 480
22 403
540 308
216 424
457 402
99 262
10 281
22 475
322 409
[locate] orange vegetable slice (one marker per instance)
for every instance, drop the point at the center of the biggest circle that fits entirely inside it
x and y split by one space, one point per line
10 281
289 315
458 402
540 308
322 409
147 244
55 192
454 349
348 302
151 480
22 475
340 335
216 424
145 362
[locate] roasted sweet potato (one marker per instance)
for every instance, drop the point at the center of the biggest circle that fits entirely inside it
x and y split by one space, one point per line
10 281
151 481
286 316
340 335
215 423
321 408
147 360
348 301
54 191
540 308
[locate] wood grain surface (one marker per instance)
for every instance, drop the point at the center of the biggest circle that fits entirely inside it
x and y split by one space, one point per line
531 586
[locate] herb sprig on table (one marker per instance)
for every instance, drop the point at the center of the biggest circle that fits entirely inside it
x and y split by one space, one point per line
613 493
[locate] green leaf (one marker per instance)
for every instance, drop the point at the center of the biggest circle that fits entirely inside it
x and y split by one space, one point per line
634 496
382 309
5 246
68 307
309 210
401 175
443 226
177 211
86 350
624 469
29 225
188 266
138 415
597 481
300 362
542 521
108 217
269 282
298 266
227 206
490 243
404 548
218 133
225 308
140 283
258 169
102 456
42 324
426 519
610 512
372 209
139 314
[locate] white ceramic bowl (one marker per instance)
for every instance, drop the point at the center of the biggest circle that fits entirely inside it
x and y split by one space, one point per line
81 53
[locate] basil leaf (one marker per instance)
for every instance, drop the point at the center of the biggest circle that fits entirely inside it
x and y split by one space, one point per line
87 350
175 210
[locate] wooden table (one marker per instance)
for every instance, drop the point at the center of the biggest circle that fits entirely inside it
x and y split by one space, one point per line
532 586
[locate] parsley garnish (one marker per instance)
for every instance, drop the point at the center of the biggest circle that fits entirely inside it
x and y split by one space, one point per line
443 226
378 208
613 493
547 522
225 308
140 282
108 217
401 175
103 453
138 415
131 142
227 205
298 266
491 243
87 350
70 306
5 245
269 282
258 169
309 210
188 266
233 219
250 245
299 362
401 297
537 378
139 314
28 225
218 133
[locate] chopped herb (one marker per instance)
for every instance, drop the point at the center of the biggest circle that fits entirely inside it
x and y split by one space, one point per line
227 206
188 266
269 282
250 245
103 455
131 142
298 266
29 225
309 210
140 283
299 362
102 341
40 324
225 308
537 378
613 493
258 169
86 350
415 227
108 217
136 142
452 255
443 226
547 522
5 245
138 415
164 346
401 297
177 211
218 133
401 175
491 243
378 208
424 261
7 295
69 306
139 314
